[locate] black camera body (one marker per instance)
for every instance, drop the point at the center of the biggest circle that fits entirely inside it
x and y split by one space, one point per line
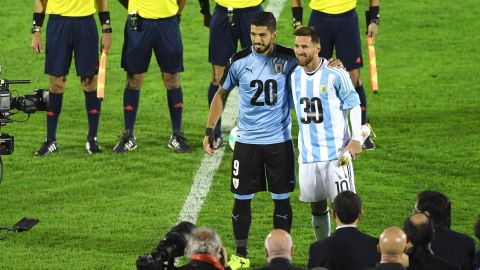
10 105
171 246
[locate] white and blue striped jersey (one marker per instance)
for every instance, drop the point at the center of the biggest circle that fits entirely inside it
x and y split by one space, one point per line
322 101
263 111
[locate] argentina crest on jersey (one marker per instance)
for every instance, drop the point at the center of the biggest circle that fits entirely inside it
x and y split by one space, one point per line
323 89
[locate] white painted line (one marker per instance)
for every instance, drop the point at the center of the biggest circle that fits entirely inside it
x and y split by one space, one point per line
209 165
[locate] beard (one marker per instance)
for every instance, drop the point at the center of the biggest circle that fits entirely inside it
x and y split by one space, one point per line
304 59
260 48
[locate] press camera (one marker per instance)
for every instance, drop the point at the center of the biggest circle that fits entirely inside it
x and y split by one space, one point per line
171 246
10 105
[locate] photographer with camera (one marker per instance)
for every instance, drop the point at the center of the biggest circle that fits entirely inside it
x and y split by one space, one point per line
205 251
71 30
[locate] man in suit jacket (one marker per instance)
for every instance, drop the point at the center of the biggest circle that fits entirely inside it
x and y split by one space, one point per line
279 251
477 234
347 248
392 246
446 244
420 232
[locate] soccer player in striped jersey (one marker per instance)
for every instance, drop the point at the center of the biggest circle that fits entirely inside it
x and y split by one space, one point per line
263 158
323 98
336 22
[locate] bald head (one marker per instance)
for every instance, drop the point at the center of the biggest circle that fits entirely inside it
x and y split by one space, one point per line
278 244
419 230
392 241
419 219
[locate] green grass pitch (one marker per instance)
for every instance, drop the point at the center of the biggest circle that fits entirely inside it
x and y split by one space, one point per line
102 211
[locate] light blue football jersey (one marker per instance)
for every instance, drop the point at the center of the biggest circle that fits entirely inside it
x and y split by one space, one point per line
322 101
263 111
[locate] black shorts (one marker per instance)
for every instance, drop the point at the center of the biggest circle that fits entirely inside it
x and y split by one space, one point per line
253 165
339 32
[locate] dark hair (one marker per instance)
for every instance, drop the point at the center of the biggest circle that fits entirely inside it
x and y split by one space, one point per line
438 206
477 228
308 31
264 18
347 205
420 234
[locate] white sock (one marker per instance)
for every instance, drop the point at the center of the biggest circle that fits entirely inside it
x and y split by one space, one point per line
321 225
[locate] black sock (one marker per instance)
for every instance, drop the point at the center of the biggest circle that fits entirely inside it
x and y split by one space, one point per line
241 220
282 214
93 106
363 102
175 106
211 93
53 112
131 100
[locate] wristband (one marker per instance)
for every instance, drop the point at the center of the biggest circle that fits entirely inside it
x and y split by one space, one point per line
297 13
38 19
107 30
204 6
104 17
35 30
374 14
209 132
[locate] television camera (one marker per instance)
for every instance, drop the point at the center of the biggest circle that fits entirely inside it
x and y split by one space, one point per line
171 246
10 105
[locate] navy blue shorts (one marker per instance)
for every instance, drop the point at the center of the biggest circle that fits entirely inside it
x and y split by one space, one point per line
161 35
67 35
339 31
224 37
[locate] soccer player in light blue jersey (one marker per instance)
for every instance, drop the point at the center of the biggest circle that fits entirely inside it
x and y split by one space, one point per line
263 158
323 97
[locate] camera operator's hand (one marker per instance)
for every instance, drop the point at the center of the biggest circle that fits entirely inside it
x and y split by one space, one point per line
37 42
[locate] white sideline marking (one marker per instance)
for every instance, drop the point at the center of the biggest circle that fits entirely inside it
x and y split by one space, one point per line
209 165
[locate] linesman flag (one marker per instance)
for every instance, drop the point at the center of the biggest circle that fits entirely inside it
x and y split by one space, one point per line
373 66
102 75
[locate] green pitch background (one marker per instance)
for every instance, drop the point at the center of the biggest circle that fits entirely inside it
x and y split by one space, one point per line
102 211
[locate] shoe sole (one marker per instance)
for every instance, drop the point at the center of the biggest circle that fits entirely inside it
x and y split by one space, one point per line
178 151
46 154
125 151
90 152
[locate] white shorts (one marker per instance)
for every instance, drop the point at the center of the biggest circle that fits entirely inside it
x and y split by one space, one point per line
324 180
